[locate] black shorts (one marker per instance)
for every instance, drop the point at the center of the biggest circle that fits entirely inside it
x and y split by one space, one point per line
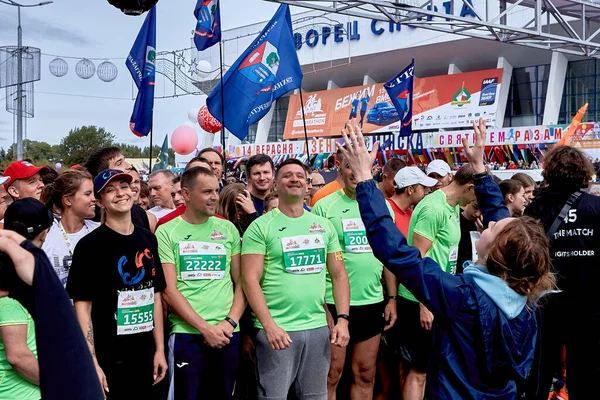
365 321
408 339
352 114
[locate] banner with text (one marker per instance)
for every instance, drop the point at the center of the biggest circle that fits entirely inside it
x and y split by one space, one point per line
446 101
417 141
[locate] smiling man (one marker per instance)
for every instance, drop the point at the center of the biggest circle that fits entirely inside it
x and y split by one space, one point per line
25 180
260 179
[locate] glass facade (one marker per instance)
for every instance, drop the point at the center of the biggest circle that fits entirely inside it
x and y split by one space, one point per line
527 96
582 85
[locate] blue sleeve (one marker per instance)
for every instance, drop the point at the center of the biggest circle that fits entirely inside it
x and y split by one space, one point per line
439 291
490 200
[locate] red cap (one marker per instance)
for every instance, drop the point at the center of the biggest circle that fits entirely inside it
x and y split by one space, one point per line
20 170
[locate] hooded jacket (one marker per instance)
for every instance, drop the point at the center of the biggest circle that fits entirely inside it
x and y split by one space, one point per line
484 334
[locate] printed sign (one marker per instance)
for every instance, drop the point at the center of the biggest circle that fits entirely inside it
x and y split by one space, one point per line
446 101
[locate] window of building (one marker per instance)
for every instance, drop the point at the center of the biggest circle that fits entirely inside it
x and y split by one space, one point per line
527 96
582 85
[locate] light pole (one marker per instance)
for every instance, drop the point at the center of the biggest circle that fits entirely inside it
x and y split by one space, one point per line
20 71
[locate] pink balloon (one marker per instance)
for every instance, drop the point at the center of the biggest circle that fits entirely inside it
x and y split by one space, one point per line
184 140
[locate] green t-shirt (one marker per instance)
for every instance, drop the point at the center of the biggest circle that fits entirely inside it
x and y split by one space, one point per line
293 279
435 220
13 385
202 257
364 270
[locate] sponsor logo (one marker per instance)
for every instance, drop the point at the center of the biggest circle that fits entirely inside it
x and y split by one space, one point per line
283 228
316 228
217 235
189 248
292 244
461 97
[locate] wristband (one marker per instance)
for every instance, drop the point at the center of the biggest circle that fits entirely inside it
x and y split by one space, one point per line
392 297
480 175
344 316
231 322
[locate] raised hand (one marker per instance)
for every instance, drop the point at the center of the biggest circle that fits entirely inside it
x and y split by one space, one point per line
475 154
355 151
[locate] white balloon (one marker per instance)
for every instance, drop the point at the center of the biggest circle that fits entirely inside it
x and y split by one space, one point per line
204 68
193 115
191 125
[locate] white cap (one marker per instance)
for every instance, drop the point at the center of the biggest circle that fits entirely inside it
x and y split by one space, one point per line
439 167
4 179
409 176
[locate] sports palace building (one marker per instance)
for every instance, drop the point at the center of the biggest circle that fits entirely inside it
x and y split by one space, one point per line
527 95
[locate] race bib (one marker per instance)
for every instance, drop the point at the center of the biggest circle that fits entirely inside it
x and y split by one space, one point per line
355 236
304 254
452 259
202 261
135 311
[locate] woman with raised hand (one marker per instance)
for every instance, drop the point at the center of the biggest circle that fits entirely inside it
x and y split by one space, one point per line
235 205
71 198
485 327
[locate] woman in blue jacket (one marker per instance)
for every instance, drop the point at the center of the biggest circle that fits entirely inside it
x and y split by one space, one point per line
485 326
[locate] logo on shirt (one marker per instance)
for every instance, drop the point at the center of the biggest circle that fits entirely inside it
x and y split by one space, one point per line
283 228
316 228
124 269
217 235
189 248
187 237
292 244
345 211
351 226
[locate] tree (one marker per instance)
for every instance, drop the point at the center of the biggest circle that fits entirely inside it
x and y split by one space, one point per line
82 142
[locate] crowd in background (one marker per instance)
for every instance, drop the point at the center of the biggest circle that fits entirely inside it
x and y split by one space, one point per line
202 285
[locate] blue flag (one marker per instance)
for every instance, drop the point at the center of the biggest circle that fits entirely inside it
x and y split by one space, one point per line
267 70
400 90
208 27
141 64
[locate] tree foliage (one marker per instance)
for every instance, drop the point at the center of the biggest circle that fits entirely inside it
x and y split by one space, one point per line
80 143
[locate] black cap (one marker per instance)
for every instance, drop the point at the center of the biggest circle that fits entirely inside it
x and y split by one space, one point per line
27 217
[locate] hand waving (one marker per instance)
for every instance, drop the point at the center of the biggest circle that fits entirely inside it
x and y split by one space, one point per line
355 151
475 154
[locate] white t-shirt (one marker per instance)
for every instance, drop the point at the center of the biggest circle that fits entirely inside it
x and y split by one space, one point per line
159 211
57 250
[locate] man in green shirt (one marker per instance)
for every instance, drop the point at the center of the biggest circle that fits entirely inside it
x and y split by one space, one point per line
285 255
19 369
366 292
435 230
201 259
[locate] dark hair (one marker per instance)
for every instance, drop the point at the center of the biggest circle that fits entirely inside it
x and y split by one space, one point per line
567 167
510 186
177 179
520 255
464 175
393 166
48 175
260 159
195 159
524 179
208 150
402 190
289 161
271 196
188 179
99 160
66 184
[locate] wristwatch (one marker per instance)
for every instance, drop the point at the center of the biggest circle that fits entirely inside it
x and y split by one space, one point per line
231 322
481 175
392 297
344 316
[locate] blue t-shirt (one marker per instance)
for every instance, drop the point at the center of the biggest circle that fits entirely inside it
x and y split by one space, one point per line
355 104
364 103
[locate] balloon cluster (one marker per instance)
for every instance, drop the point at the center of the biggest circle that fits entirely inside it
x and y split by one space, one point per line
184 139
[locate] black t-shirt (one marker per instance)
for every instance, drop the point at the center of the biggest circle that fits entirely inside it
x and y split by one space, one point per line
259 204
105 264
465 249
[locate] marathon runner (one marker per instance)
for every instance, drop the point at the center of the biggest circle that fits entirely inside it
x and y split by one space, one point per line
285 254
201 260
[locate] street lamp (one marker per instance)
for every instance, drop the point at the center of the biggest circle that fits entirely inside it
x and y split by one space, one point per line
20 72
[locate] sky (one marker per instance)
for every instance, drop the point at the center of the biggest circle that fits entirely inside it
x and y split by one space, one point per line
69 28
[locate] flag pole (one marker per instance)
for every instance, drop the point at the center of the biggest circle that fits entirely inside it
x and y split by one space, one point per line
150 165
222 111
304 122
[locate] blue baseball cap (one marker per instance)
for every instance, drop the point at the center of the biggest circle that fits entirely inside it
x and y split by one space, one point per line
104 177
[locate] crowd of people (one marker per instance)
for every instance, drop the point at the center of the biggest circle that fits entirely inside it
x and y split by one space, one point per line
431 283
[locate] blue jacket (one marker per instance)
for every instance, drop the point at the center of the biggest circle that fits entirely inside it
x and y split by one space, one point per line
484 334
